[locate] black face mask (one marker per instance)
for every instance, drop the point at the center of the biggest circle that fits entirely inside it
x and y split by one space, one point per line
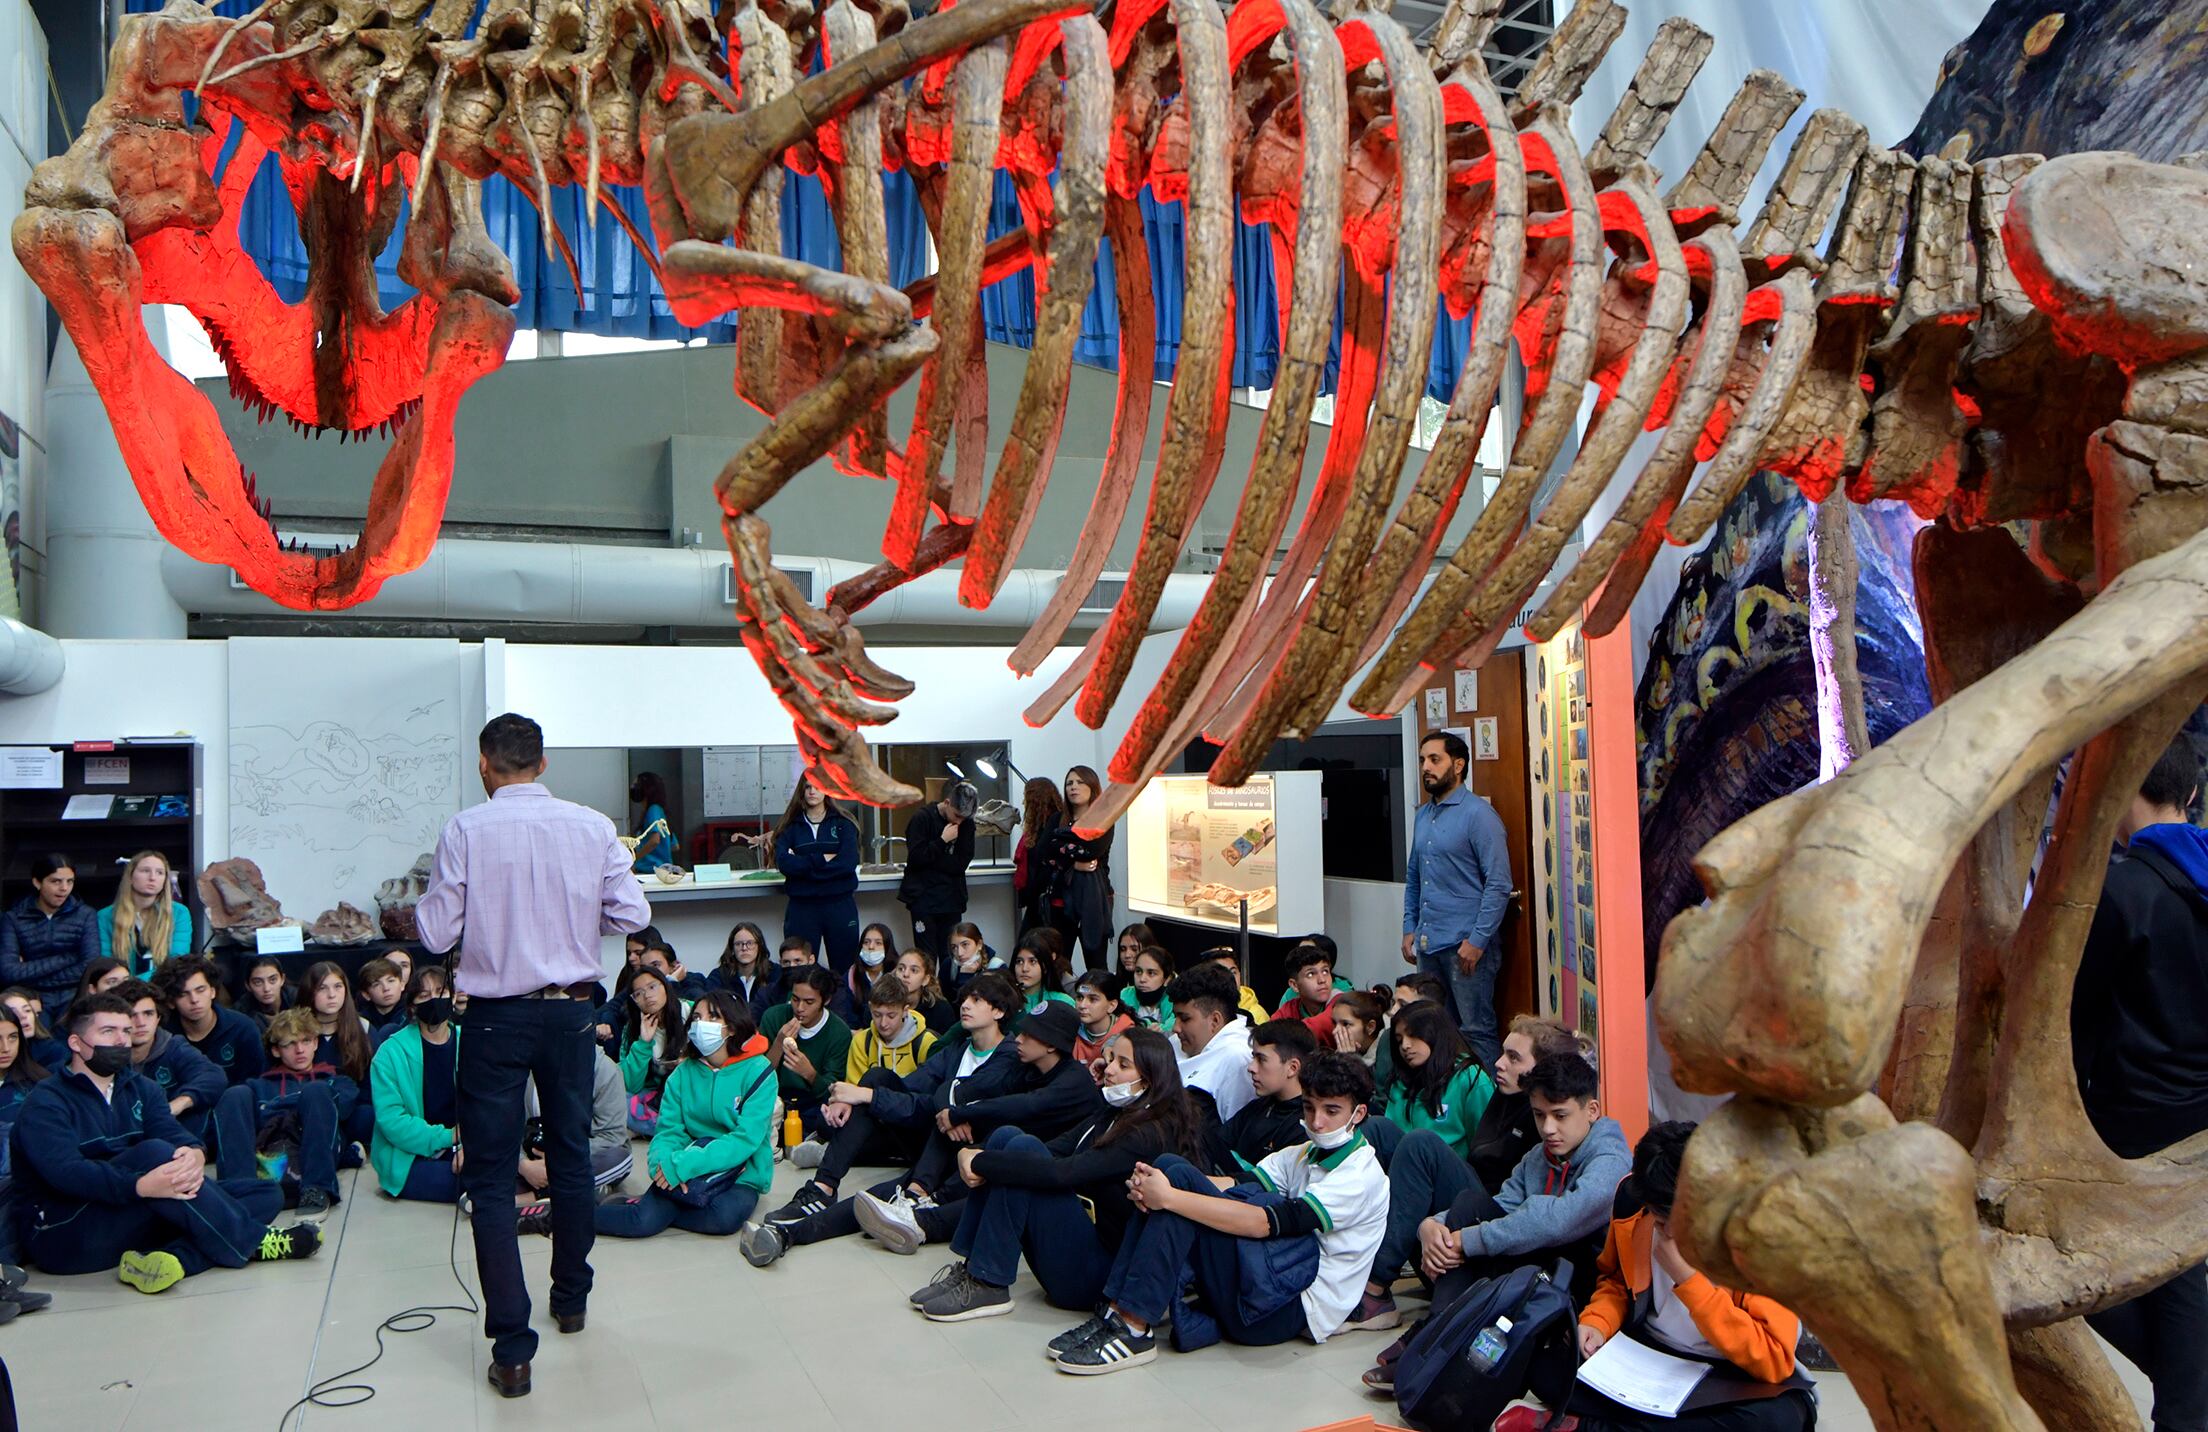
108 1060
434 1010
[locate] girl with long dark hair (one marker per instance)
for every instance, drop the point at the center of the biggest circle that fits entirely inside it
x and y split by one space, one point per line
816 847
746 971
18 1073
1042 811
268 990
1439 1082
1081 898
1033 1197
1039 970
652 1044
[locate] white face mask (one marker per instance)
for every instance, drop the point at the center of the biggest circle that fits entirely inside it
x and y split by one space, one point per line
872 959
1330 1140
1119 1096
708 1035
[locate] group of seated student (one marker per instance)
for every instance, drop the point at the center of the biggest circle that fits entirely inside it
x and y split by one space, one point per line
966 1090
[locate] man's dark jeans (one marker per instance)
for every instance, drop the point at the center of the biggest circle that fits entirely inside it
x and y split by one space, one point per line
503 1043
2164 1332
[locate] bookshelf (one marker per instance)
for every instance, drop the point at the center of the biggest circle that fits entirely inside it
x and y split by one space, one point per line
33 821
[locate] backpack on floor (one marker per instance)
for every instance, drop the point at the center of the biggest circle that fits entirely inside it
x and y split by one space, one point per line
1444 1384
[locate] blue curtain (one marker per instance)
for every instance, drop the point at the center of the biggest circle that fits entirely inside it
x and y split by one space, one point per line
620 298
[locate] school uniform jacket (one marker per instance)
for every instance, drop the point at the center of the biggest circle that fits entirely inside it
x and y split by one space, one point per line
67 1137
48 953
1045 1105
1754 1333
936 1088
279 1089
233 1046
183 1071
1463 1100
1261 1128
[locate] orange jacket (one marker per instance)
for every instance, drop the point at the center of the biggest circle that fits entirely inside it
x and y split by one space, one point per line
1754 1333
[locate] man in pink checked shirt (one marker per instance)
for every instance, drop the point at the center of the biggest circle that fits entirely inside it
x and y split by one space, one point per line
525 884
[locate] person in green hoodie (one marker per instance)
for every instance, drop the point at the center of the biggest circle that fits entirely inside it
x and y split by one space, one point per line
412 1081
714 1152
1439 1083
810 1047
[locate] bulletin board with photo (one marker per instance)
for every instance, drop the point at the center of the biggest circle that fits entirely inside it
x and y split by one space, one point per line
1563 800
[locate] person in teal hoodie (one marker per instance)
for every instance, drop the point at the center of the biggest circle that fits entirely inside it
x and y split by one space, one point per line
714 1152
155 928
413 1083
1438 1083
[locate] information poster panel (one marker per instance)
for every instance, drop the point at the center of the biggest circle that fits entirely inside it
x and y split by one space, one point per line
1196 850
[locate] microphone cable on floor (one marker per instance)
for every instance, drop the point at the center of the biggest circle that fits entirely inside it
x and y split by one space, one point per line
333 1391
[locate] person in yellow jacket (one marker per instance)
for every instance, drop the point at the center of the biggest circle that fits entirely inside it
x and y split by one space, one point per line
1246 1002
895 1039
1646 1290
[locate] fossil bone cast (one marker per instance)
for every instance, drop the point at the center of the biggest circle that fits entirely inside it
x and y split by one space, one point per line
1995 342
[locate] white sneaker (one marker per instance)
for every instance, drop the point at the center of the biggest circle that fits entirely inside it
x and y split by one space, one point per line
890 1222
809 1153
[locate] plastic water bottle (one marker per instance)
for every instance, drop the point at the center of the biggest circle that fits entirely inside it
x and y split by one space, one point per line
1489 1347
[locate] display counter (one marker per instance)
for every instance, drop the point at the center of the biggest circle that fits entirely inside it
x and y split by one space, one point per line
696 919
770 883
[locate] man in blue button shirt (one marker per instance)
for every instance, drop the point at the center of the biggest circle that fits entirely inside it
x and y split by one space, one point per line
1455 889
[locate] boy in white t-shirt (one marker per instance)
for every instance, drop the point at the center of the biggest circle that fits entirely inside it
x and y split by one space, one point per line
1186 1230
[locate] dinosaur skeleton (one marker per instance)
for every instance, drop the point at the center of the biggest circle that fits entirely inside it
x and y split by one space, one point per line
2042 359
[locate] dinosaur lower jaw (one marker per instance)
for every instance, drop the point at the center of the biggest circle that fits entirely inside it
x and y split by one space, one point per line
183 463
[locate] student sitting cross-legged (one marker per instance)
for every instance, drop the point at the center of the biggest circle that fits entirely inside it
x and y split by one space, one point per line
1427 1174
1646 1290
1267 1263
1064 1204
966 1091
298 1105
893 1038
887 1118
416 1152
713 1154
1554 1204
191 1082
809 1046
107 1178
231 1041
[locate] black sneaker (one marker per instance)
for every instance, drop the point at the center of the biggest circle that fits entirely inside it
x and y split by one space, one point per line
280 1245
965 1299
762 1244
809 1199
314 1203
1115 1348
1072 1338
24 1299
944 1277
536 1218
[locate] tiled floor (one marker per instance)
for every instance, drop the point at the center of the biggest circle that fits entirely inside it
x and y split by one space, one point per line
682 1331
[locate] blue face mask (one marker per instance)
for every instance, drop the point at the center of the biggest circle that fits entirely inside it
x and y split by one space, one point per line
707 1036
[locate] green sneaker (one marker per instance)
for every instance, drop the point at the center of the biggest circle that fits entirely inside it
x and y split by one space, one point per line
279 1245
150 1272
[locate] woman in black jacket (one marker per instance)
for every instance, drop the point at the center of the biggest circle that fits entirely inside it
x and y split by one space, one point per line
1081 898
1035 1198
